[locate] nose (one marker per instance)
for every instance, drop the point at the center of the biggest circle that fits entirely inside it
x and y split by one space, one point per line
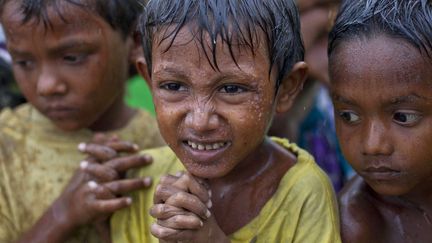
376 140
202 118
49 84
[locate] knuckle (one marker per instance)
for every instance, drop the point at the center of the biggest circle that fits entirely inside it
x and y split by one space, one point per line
164 179
177 219
187 177
163 208
178 196
159 190
112 175
114 187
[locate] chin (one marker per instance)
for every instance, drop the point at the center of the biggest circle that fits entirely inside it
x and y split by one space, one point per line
388 190
68 127
206 172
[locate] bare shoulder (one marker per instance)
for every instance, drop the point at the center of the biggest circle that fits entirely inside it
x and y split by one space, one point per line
360 217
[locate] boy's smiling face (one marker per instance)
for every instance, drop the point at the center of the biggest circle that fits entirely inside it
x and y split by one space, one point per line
382 91
73 71
211 119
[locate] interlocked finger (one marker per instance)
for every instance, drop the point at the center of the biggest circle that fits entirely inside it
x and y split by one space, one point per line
99 191
128 185
123 146
189 202
100 172
168 179
111 205
165 211
167 234
182 222
163 192
100 152
188 183
123 164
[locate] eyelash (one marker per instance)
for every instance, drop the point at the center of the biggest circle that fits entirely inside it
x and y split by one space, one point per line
227 88
397 116
343 115
402 118
78 58
26 64
173 86
238 89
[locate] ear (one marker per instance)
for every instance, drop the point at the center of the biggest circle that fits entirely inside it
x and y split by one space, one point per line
136 50
290 86
141 66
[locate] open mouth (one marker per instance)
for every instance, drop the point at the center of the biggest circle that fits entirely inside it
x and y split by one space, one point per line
206 146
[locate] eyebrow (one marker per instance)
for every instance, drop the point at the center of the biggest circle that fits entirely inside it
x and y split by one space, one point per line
407 99
341 99
178 73
411 98
18 52
67 45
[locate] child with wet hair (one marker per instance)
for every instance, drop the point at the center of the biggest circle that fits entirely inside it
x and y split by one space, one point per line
219 71
71 60
381 82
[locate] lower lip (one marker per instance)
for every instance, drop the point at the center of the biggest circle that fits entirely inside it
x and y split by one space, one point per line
205 156
60 114
381 175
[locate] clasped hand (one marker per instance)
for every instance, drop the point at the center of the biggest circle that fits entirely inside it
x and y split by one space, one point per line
182 206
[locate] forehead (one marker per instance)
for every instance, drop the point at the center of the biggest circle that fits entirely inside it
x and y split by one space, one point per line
62 19
189 49
379 58
379 69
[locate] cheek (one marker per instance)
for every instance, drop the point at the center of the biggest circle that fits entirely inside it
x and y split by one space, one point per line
348 141
415 147
252 121
169 119
25 82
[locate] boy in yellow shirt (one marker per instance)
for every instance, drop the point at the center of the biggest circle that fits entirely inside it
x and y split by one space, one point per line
71 61
219 71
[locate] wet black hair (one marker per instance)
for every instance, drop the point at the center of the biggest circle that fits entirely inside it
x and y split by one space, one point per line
236 22
410 20
122 15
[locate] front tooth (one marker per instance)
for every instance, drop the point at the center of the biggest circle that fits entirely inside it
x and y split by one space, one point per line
194 145
208 147
221 144
216 146
190 143
201 147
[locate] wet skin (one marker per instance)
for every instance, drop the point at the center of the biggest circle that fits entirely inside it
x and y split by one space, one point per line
382 92
74 72
216 120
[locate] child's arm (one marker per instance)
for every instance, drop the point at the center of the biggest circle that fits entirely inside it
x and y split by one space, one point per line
182 212
92 195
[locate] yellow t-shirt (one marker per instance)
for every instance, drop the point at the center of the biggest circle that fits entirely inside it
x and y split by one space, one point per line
37 160
303 209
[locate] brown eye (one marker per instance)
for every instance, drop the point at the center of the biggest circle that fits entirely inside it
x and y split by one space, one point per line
232 89
24 63
173 86
406 118
349 116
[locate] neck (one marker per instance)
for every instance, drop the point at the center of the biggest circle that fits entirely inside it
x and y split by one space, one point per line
250 168
239 196
116 117
416 200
